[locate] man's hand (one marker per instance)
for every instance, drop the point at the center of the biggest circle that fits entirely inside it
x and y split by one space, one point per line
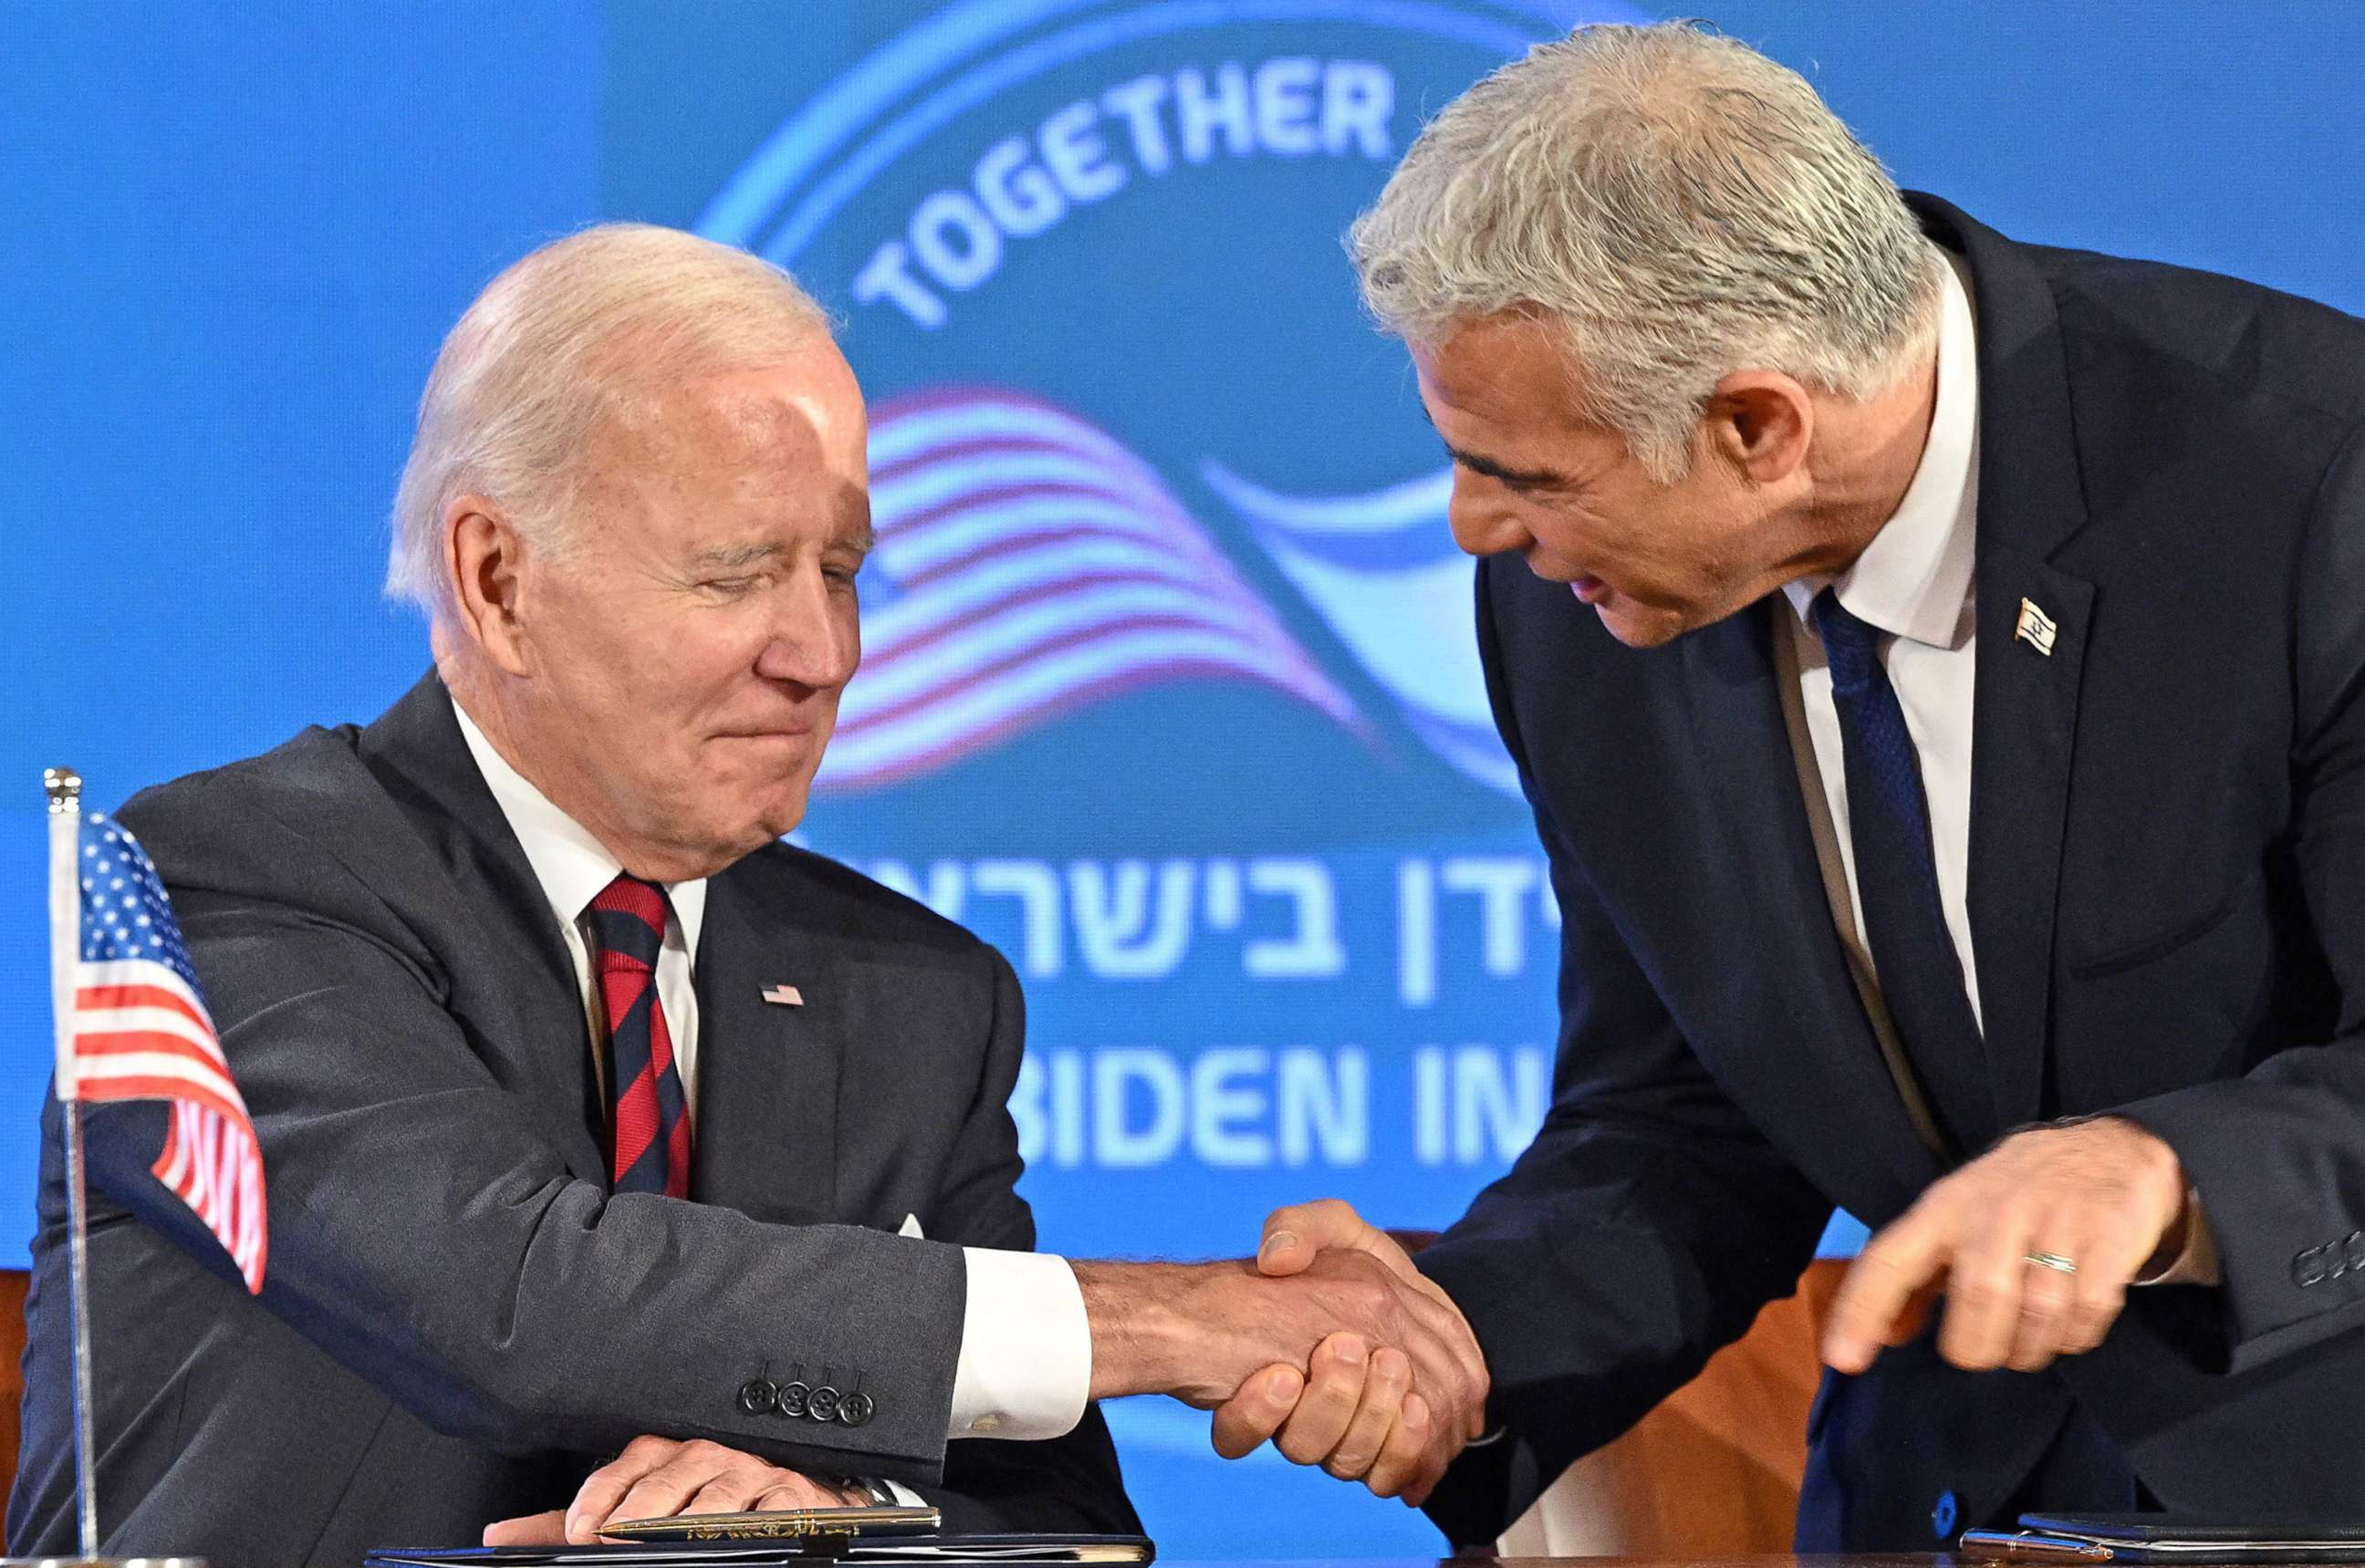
1215 1334
2104 1195
655 1478
1358 1417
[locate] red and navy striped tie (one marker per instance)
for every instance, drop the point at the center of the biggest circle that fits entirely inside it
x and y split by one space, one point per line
650 1116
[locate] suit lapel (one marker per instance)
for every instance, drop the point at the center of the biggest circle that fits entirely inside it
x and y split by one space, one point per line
2024 711
768 1073
543 1049
1743 745
2025 720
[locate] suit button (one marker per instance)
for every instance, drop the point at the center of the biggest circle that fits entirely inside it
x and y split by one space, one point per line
2354 1250
791 1400
758 1396
2307 1269
1942 1516
823 1405
856 1408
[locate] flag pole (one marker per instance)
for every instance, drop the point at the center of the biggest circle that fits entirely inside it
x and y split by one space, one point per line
63 786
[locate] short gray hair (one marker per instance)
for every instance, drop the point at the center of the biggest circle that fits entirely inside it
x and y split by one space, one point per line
550 349
1678 205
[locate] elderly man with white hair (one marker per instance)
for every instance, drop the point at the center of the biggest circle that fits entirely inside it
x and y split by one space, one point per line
623 1159
1938 667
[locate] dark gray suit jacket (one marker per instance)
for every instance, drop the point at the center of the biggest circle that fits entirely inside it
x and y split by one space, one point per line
459 1319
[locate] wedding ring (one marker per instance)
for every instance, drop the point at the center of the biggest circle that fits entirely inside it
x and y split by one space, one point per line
2053 1260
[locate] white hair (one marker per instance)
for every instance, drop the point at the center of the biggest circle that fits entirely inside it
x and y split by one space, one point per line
555 345
1678 207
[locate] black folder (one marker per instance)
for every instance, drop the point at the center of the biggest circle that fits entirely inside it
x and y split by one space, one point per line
2166 1537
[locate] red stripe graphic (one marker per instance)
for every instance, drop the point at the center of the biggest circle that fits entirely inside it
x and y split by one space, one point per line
972 480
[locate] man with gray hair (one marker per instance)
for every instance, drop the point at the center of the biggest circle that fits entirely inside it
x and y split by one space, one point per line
624 1160
1937 668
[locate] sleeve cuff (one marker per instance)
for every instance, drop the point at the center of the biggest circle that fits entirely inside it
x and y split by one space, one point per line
1026 1367
2197 1264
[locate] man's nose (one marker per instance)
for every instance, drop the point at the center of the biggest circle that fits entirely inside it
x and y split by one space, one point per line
1483 523
814 639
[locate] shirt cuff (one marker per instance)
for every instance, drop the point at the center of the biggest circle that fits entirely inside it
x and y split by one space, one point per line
1026 1367
2198 1263
904 1496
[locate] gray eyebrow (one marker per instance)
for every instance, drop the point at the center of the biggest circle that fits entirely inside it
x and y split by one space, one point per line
1478 463
730 558
738 557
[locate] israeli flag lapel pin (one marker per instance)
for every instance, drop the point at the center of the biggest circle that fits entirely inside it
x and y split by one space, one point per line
2037 628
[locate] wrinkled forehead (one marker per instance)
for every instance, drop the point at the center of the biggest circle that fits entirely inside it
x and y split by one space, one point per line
692 459
1503 366
804 415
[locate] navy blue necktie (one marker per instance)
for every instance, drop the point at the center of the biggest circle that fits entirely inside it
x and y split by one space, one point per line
1913 954
647 1111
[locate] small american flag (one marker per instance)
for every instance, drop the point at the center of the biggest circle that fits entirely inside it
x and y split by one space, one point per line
140 1032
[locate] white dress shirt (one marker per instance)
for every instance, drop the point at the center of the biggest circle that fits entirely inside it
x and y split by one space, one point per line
1026 1364
1914 583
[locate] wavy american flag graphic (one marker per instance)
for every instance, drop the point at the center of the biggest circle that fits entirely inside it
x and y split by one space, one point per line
1029 563
141 1031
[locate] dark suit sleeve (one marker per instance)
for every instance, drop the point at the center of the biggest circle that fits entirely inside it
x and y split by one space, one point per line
1065 1483
2278 1155
1643 1229
426 1233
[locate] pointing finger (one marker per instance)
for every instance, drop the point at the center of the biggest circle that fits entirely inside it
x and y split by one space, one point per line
1880 1286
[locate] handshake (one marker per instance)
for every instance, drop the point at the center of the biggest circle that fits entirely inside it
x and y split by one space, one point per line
1329 1343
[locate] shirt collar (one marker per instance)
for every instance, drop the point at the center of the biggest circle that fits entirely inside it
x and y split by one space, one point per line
572 865
1912 579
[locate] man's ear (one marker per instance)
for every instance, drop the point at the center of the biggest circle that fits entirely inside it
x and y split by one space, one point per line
485 556
1760 422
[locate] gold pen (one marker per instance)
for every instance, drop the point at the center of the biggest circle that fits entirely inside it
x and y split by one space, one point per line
783 1524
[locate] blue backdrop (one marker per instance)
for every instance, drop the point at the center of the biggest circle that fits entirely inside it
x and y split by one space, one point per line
1169 691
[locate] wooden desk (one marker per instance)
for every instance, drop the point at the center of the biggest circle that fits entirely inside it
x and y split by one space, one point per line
12 1372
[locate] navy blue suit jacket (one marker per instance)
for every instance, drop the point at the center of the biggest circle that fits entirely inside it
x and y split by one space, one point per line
2167 897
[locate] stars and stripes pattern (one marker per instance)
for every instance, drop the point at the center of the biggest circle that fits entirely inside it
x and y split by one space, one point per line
141 1031
650 1115
1029 563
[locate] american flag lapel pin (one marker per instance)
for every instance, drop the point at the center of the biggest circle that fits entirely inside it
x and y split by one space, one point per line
784 996
2037 628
